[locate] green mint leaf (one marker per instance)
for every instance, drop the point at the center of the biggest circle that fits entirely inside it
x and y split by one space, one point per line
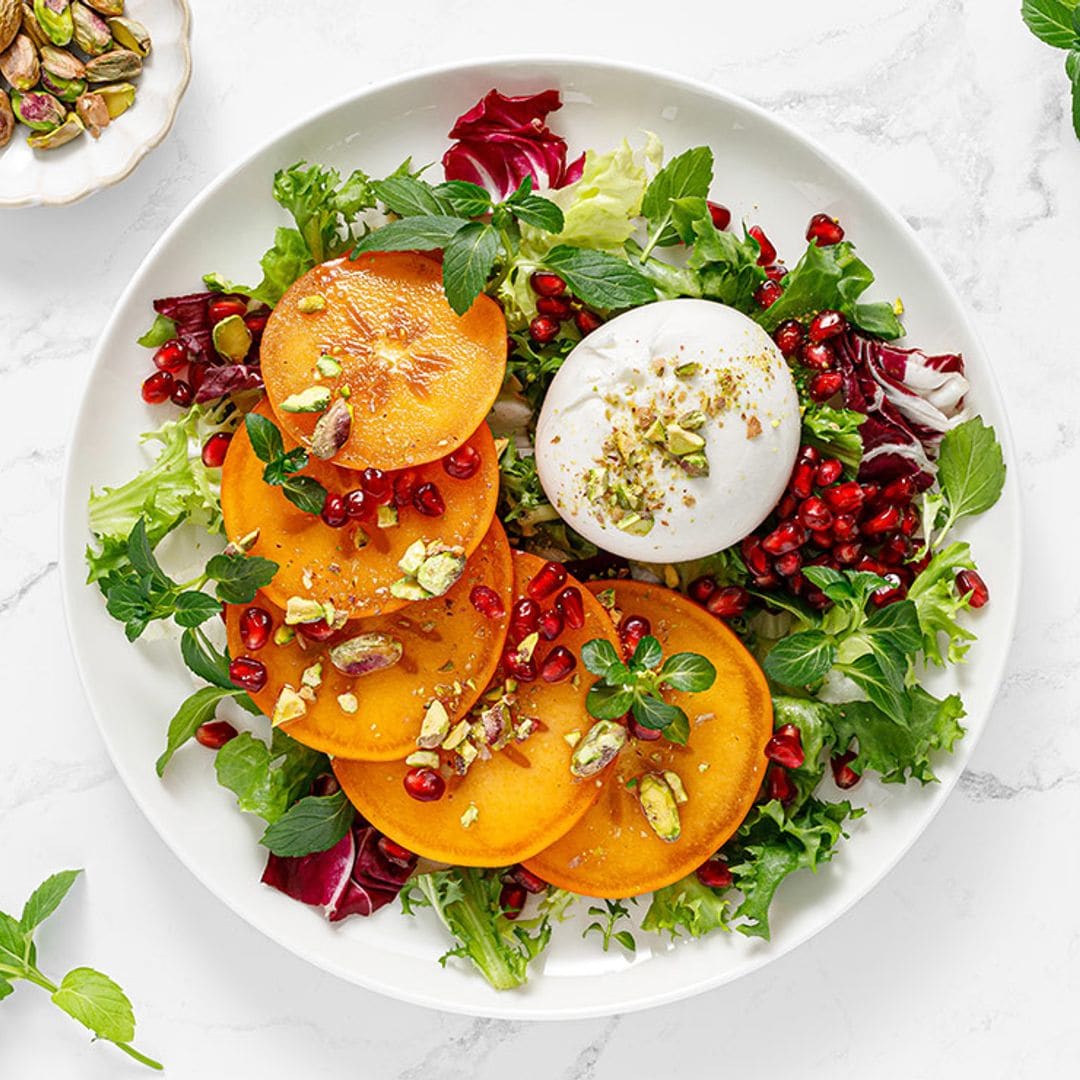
655 713
608 702
467 262
276 472
196 710
239 577
265 437
539 212
5 988
46 898
97 1003
462 198
203 659
727 265
647 655
688 671
825 577
410 197
599 279
304 492
267 780
881 686
411 234
1072 69
127 603
193 608
163 330
141 556
971 469
800 659
678 730
15 945
315 823
898 625
599 656
1051 21
878 319
689 174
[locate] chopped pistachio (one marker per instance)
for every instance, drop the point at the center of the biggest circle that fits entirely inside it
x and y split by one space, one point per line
524 728
655 432
469 816
435 726
674 781
572 738
243 545
312 676
598 749
898 307
413 558
596 484
694 465
360 538
681 442
388 517
327 366
528 646
659 805
691 421
232 339
636 524
423 759
407 589
458 734
439 573
284 635
308 305
313 399
703 766
303 609
685 371
348 703
467 752
289 706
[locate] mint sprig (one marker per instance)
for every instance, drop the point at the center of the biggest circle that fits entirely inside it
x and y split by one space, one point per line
86 995
1057 22
281 467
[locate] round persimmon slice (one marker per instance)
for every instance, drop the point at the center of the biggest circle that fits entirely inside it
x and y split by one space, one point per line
448 648
613 852
420 378
352 567
523 796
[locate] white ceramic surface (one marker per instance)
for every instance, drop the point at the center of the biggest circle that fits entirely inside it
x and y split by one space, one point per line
85 165
768 171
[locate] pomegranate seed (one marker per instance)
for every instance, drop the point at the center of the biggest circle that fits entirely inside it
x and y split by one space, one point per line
885 521
639 731
551 624
405 484
213 451
325 784
870 493
632 629
824 230
728 602
255 627
320 630
768 252
378 485
766 581
778 785
754 556
358 506
777 272
969 581
587 321
826 385
787 536
400 856
427 498
802 483
572 606
171 356
872 566
225 306
815 514
818 355
789 564
714 874
549 577
817 599
823 538
547 284
424 785
809 453
796 583
543 329
890 594
828 472
845 527
844 776
524 619
785 747
787 506
512 900
214 734
845 498
557 307
487 601
527 880
847 553
333 511
701 588
558 664
462 463
899 491
157 388
247 673
720 214
256 323
767 293
789 337
826 324
518 667
182 394
895 551
196 375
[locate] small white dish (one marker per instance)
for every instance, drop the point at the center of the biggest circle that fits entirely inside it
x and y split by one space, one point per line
85 165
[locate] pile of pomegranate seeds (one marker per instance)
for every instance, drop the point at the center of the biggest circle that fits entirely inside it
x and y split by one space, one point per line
554 306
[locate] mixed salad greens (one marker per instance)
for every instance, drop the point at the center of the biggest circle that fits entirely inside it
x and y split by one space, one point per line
842 631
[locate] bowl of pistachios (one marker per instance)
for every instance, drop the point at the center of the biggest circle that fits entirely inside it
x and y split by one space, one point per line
87 89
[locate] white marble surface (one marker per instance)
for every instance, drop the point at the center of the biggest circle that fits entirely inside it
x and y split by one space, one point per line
963 963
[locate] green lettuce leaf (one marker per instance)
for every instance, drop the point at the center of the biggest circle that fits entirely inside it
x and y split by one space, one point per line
937 603
835 432
688 907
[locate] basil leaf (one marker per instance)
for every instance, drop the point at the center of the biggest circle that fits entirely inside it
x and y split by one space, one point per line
608 702
599 656
1051 21
688 174
801 659
467 262
409 197
315 823
647 655
163 330
971 469
539 212
239 577
599 279
195 711
304 492
688 671
463 198
411 234
264 436
193 608
880 687
97 1003
655 713
46 898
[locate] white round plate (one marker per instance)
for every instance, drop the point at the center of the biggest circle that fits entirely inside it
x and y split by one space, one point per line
766 170
85 165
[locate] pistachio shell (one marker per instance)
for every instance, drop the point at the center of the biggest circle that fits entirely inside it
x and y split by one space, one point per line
31 27
107 7
38 110
93 112
366 653
119 97
131 34
54 17
67 90
7 119
19 63
117 64
70 129
92 33
10 21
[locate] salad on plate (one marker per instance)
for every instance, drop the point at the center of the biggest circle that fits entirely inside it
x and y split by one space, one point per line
574 548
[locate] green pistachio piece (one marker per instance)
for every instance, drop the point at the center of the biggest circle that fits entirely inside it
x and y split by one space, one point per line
655 432
92 35
527 647
595 484
114 65
284 635
685 371
70 129
387 517
457 735
93 112
54 17
67 90
119 97
7 119
38 111
413 558
469 816
635 524
244 544
423 759
691 421
439 573
680 442
313 399
332 430
302 609
435 726
360 538
659 806
328 367
407 589
348 703
366 653
674 781
62 63
289 706
694 465
131 34
107 7
232 339
19 64
598 749
309 305
311 676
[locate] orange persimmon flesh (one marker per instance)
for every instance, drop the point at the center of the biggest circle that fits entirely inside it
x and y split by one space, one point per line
328 564
612 852
450 651
421 379
525 795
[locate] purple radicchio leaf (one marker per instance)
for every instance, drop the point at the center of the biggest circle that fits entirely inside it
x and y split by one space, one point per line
228 379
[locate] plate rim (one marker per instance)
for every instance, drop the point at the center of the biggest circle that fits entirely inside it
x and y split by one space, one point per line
71 577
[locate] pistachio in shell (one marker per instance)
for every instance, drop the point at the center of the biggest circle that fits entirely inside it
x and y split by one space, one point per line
117 64
60 62
93 112
107 7
366 653
7 120
331 432
54 17
92 33
131 34
31 27
38 110
19 63
119 97
67 90
70 129
10 21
